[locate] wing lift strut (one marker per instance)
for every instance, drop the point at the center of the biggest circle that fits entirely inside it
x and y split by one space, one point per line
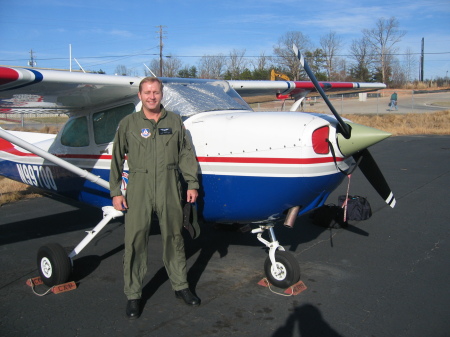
54 264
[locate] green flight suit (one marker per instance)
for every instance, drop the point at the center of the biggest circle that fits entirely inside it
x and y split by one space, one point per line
156 153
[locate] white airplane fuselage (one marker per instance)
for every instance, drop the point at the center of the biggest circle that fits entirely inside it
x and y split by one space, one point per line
253 166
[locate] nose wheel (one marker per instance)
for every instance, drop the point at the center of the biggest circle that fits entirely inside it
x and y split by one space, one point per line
281 268
284 272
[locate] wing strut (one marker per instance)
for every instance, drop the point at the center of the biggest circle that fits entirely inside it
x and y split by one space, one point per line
54 159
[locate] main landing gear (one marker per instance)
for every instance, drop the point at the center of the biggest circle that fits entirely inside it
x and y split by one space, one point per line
281 268
55 265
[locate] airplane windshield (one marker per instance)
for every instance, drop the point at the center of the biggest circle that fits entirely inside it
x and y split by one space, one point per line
187 99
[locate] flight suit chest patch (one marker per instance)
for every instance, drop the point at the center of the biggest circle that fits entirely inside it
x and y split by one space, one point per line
165 131
145 133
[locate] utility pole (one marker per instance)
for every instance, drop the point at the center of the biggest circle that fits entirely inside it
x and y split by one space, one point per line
161 37
31 62
422 61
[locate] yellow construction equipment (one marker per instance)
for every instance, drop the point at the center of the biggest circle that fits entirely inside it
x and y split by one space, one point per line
274 75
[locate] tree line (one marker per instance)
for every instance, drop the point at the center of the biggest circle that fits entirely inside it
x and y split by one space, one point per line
371 58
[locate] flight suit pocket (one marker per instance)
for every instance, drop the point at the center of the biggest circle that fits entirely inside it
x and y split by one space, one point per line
174 177
135 140
138 170
136 179
171 148
172 166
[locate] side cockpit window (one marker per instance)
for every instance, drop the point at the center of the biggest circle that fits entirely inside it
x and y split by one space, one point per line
75 133
105 122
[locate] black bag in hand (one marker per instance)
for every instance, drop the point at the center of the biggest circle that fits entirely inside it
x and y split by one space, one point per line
358 208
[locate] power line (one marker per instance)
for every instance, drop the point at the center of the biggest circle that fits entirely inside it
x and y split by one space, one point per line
187 56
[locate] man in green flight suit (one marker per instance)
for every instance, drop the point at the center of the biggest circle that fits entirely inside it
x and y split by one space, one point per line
157 149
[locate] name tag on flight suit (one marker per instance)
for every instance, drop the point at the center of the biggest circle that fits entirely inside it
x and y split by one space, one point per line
165 131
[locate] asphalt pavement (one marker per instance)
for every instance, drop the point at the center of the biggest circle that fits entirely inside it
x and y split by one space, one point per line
385 276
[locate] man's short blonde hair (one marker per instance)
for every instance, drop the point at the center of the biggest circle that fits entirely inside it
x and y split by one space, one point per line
150 79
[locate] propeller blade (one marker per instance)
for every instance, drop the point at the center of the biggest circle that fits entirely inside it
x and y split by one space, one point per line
345 128
373 174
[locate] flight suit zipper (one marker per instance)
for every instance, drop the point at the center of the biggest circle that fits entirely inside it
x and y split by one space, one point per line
153 157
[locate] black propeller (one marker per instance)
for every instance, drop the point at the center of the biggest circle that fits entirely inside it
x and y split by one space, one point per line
367 164
345 128
373 174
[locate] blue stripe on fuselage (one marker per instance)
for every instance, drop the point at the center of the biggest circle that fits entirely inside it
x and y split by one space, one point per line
251 199
222 198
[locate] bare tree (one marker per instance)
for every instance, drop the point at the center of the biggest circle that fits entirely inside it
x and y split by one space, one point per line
340 69
122 70
361 53
383 39
154 67
261 63
212 66
331 44
398 76
409 65
286 60
171 66
261 67
237 63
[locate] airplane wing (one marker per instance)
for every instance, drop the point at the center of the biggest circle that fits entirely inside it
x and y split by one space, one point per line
49 91
25 90
291 89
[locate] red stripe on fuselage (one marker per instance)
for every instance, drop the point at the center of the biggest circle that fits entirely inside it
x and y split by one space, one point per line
247 160
8 147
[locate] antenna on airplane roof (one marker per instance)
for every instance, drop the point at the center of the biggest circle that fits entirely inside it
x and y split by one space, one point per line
79 65
150 70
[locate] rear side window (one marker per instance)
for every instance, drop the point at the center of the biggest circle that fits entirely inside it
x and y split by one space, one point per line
105 122
75 133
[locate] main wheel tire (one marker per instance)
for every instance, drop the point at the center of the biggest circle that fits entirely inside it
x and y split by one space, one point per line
285 272
53 264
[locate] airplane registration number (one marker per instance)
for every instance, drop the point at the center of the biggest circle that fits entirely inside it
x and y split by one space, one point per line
39 176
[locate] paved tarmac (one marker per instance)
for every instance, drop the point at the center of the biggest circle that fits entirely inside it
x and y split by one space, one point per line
386 276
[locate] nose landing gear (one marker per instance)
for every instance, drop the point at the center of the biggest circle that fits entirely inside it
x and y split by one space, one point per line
281 268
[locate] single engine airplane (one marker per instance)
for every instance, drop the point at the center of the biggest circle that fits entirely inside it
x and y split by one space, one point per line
254 167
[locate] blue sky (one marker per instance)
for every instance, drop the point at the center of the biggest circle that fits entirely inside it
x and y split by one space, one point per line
107 33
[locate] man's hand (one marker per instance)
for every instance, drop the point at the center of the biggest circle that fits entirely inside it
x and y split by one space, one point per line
192 196
120 203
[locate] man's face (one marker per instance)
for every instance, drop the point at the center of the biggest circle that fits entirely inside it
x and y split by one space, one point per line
151 96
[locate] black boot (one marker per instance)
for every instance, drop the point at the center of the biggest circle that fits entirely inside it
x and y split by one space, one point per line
188 297
133 309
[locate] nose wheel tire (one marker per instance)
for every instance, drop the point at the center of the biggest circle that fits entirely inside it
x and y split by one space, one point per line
285 272
53 264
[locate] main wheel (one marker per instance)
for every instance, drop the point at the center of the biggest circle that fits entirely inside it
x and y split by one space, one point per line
285 272
53 264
